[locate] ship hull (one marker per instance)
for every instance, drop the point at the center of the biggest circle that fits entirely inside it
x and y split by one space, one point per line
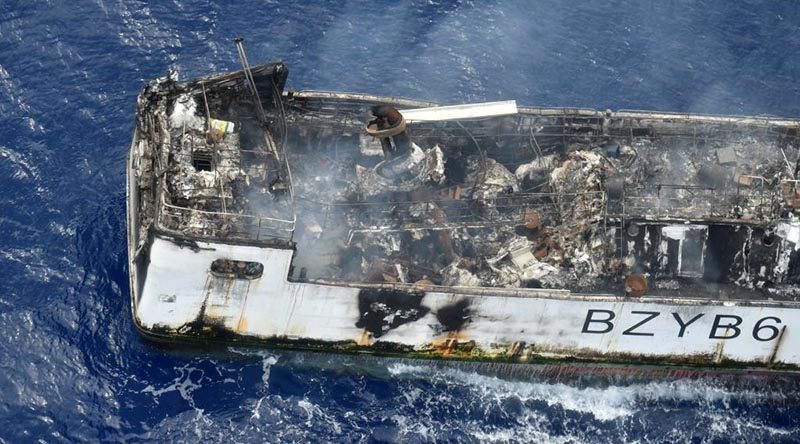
181 300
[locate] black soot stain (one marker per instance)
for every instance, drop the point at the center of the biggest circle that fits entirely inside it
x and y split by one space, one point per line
455 316
381 310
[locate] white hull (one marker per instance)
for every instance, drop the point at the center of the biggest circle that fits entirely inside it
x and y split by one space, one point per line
181 297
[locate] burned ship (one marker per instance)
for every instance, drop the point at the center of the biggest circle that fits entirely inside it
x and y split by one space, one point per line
488 232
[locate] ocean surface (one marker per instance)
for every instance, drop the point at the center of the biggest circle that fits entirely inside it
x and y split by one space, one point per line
72 365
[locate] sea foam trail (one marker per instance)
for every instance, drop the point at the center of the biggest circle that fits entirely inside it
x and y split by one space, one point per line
605 404
416 402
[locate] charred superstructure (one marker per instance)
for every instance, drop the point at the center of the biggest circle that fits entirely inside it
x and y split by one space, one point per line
397 213
213 169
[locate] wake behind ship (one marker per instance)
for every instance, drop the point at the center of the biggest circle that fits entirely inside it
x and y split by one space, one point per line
491 232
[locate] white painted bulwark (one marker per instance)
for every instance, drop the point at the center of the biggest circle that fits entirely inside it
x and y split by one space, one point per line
461 112
180 290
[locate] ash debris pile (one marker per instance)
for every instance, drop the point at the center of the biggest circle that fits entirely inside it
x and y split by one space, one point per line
218 170
531 201
457 209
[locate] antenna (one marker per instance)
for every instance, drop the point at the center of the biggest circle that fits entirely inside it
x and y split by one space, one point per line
248 74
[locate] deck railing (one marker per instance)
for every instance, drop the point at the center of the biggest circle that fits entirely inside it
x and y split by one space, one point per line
701 203
451 213
224 226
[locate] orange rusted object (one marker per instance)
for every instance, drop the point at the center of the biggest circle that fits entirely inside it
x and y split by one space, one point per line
388 122
791 194
635 285
743 180
423 284
457 193
531 219
544 248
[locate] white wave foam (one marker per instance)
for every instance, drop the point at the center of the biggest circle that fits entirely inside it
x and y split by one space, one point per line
24 169
188 380
267 361
603 403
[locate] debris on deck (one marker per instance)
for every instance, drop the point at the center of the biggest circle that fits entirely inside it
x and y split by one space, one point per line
620 204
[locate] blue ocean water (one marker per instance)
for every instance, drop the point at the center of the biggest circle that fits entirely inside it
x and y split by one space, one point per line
73 367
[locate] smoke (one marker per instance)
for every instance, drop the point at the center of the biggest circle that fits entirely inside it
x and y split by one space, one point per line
710 57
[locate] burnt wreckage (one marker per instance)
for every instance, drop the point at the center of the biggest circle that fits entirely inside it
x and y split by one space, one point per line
488 231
